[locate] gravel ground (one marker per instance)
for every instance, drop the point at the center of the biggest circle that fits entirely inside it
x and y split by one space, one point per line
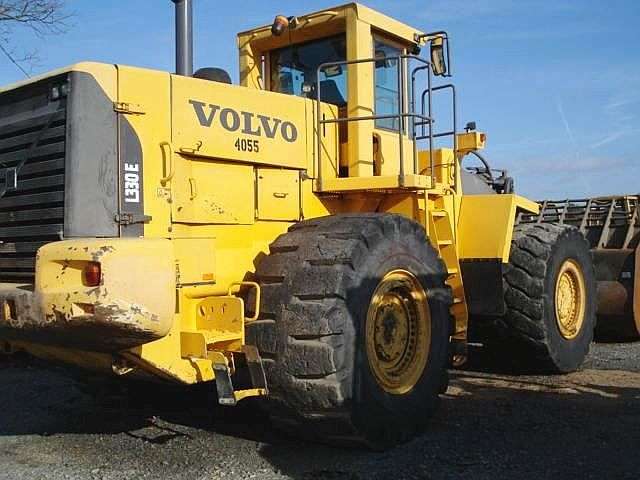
490 425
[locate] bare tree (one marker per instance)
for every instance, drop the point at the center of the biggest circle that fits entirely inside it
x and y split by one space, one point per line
42 17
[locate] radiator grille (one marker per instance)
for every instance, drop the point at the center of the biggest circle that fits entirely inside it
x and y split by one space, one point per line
32 166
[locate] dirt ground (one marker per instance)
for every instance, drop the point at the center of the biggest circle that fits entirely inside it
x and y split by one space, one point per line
490 425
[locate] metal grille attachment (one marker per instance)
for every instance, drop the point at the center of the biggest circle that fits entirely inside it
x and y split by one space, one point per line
607 222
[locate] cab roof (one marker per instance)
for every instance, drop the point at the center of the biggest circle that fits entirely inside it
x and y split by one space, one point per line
378 21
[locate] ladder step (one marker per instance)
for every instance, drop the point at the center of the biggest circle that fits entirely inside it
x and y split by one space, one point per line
457 300
439 213
452 271
445 242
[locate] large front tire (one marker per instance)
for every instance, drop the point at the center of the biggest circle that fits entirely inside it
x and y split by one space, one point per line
354 329
550 297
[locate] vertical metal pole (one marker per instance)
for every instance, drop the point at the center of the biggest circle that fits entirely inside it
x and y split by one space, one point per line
456 160
184 37
431 172
412 119
455 118
318 126
631 230
400 117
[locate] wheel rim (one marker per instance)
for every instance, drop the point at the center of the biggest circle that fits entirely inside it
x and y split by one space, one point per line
398 332
570 299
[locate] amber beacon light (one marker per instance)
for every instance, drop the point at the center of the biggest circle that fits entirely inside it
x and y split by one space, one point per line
280 24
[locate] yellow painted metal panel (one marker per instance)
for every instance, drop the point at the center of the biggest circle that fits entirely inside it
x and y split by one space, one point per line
526 204
250 60
137 288
237 248
485 226
360 96
149 90
207 192
346 184
165 356
406 204
398 30
223 320
389 153
216 120
195 260
278 194
193 345
443 165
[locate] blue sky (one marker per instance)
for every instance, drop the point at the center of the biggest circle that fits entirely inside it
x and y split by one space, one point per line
555 84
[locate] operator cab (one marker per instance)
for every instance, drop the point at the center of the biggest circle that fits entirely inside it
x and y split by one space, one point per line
294 70
365 67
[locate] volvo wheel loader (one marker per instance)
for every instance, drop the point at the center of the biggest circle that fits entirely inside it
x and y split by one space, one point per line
309 237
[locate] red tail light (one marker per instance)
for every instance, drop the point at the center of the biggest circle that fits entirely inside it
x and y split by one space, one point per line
92 274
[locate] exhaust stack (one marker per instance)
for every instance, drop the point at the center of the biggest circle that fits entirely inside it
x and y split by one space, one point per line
184 37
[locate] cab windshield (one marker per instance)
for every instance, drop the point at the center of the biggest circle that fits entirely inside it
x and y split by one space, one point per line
294 70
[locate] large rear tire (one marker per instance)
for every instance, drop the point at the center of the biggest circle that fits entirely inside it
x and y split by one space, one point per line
354 329
550 297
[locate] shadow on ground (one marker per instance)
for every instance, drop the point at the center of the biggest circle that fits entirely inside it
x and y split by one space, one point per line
490 425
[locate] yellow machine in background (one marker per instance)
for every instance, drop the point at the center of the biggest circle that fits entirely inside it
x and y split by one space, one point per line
307 236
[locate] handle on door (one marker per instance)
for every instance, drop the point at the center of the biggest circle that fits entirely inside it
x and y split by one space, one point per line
193 188
167 162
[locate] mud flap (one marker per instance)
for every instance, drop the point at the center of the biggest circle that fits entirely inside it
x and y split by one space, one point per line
227 395
224 385
256 369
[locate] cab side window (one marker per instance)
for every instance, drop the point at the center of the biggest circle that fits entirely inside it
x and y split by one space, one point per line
386 84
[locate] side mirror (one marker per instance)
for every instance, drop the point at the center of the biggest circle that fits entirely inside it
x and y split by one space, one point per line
438 61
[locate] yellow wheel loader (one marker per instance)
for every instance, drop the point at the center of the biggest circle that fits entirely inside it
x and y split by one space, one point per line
310 236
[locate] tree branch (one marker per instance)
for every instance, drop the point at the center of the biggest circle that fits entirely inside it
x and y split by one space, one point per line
13 60
43 17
